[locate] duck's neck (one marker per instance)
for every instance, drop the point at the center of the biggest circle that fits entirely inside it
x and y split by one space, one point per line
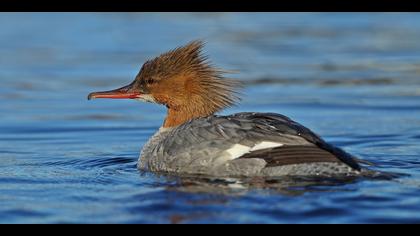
179 115
196 97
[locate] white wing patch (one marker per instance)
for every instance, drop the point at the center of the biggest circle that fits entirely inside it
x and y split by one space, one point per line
239 150
264 145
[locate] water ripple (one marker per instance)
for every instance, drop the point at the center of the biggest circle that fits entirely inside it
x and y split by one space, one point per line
66 160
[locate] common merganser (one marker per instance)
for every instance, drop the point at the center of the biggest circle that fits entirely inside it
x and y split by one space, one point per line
192 140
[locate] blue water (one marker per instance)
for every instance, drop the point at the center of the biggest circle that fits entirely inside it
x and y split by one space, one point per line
352 78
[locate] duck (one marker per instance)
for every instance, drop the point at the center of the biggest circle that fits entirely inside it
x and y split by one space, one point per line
194 140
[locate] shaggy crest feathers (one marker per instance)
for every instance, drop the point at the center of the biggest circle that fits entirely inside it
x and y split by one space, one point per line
185 81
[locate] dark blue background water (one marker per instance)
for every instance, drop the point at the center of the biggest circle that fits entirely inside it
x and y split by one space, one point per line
352 78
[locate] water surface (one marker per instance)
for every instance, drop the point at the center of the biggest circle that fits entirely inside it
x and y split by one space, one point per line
352 78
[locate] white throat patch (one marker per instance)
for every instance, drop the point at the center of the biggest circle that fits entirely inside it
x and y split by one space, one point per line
146 98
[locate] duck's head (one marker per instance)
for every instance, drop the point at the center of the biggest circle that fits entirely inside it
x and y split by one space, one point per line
183 80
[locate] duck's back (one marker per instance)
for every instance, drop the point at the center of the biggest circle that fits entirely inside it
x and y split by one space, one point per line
244 144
